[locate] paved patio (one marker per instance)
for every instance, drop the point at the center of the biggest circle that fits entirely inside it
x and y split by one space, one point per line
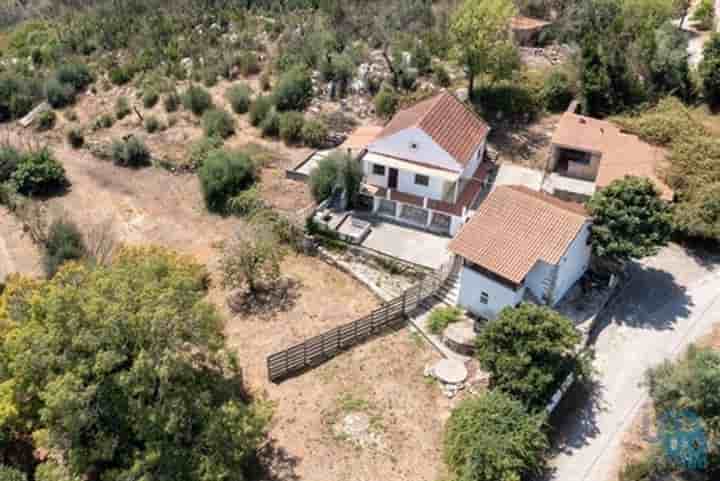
409 244
510 174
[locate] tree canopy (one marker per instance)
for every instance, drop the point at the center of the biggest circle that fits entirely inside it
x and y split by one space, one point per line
529 351
492 437
482 39
709 70
630 220
121 372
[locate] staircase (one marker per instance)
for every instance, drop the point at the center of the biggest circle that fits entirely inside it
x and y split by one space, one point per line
449 292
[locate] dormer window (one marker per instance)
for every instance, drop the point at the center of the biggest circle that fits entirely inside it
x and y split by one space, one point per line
414 145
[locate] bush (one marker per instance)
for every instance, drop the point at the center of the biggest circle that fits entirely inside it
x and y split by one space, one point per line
46 121
556 91
130 152
259 110
518 101
704 15
58 94
491 437
386 103
294 90
291 126
9 159
150 99
64 243
442 317
315 133
76 74
709 70
197 100
105 121
18 95
223 175
152 124
441 76
270 126
246 203
200 150
265 83
120 75
38 173
248 64
122 108
239 98
218 123
171 102
75 138
529 351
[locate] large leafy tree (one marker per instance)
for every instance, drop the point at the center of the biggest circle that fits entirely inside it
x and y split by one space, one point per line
630 220
121 373
699 215
529 351
482 39
492 437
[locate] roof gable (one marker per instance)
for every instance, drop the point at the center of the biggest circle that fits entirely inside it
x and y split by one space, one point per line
515 228
451 124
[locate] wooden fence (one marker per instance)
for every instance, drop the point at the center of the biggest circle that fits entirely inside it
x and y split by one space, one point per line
391 315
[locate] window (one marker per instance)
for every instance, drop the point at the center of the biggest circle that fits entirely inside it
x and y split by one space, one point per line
378 169
422 180
484 298
414 146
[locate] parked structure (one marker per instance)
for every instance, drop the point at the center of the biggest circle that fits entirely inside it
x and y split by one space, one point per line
426 168
521 245
588 154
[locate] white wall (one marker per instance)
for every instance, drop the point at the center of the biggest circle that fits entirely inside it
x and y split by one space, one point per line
427 151
406 183
379 180
534 280
472 284
573 264
472 166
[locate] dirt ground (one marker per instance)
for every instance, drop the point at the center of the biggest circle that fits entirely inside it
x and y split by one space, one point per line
381 381
528 146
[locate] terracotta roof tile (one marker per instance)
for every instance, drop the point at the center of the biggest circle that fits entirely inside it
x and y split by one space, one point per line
450 123
515 228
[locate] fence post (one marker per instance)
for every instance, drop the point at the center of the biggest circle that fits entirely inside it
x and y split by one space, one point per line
404 301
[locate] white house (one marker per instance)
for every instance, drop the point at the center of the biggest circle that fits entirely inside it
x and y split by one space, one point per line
521 245
426 167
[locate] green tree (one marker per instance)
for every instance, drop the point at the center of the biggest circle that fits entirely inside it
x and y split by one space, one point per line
668 71
709 69
482 39
492 437
223 175
630 220
64 243
529 351
335 171
123 371
704 15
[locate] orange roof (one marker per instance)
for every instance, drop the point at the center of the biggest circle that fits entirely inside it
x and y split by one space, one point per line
450 123
520 22
515 228
622 154
361 137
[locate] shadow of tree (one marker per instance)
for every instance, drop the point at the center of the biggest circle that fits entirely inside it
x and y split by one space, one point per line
280 297
273 463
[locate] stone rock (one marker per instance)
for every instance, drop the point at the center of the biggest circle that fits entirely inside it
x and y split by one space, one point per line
32 115
460 337
450 371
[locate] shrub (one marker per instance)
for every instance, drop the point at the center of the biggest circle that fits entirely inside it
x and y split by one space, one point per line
130 152
171 102
441 76
75 138
38 173
46 121
18 95
152 124
386 103
150 99
58 94
218 123
491 437
265 83
223 175
442 317
556 91
294 90
64 243
200 150
76 74
246 203
248 64
105 121
196 99
9 159
120 75
259 109
517 101
270 126
290 127
709 70
704 15
314 133
122 108
239 98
